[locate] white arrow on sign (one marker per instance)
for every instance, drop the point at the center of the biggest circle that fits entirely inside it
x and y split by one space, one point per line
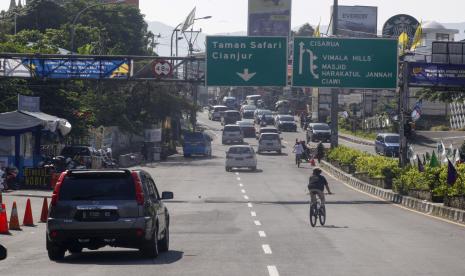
246 76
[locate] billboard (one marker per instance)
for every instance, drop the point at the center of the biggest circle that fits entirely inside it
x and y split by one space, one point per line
70 68
13 67
269 18
436 75
357 21
399 24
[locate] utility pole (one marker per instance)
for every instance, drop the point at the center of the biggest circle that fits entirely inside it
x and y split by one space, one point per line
403 105
335 91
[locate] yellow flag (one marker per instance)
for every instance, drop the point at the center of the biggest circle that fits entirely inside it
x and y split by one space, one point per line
403 42
417 38
317 33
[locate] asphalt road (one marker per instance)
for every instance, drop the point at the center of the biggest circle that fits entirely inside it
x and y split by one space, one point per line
256 223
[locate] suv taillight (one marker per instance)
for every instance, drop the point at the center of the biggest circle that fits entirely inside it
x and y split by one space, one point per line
138 186
56 191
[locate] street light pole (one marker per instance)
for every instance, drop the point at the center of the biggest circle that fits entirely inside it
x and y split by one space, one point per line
73 24
176 30
334 92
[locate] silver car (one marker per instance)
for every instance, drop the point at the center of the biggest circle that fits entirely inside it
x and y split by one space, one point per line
242 156
95 208
269 142
232 134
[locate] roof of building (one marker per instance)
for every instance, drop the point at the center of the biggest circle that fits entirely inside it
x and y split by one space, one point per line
436 26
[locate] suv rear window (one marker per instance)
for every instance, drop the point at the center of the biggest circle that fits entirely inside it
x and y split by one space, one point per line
98 186
269 136
239 150
232 128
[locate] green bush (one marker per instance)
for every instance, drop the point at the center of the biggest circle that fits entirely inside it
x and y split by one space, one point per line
457 189
344 155
377 166
440 128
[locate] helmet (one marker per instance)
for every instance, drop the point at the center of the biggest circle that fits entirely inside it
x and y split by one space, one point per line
316 171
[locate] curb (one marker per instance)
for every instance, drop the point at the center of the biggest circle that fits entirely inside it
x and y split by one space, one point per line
356 140
28 195
422 206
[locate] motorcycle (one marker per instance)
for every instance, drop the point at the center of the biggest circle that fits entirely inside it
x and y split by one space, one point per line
10 179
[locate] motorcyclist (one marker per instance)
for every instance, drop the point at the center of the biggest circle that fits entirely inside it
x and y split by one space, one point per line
263 120
298 150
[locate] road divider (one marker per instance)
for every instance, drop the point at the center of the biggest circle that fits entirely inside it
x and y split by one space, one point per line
424 207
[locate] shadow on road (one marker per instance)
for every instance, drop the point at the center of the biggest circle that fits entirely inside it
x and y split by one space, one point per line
332 227
122 258
297 202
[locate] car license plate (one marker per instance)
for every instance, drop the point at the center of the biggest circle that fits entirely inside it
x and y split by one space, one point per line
269 144
96 214
239 159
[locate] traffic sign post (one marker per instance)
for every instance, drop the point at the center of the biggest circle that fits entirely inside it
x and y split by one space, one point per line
246 61
345 63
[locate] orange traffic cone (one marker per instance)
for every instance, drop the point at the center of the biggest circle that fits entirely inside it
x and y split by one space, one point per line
14 220
3 220
28 221
44 214
312 162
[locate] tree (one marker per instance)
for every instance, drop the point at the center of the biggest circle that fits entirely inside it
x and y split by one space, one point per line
442 96
305 30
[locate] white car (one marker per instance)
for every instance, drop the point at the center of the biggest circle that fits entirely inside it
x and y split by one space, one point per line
269 142
242 156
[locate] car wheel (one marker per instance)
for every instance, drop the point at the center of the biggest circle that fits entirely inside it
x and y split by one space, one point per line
227 169
187 155
164 243
254 168
151 250
55 252
75 250
280 152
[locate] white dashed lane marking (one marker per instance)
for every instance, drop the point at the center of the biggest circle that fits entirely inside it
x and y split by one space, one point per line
257 222
253 214
266 249
241 185
246 197
262 234
238 179
249 205
237 173
272 270
243 191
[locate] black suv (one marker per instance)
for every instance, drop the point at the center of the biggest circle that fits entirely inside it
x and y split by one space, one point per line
94 208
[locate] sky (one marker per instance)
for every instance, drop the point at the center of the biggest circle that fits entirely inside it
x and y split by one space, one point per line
231 15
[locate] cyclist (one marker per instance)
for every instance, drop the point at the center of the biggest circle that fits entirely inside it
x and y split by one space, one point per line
299 150
316 186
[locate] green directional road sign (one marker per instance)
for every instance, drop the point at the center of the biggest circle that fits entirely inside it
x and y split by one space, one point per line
246 61
345 63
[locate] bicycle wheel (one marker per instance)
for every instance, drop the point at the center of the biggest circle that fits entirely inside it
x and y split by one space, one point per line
322 215
313 215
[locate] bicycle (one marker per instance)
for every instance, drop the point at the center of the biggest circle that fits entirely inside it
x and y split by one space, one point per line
317 211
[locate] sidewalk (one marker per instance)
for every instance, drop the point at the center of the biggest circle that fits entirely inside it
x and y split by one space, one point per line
355 139
28 193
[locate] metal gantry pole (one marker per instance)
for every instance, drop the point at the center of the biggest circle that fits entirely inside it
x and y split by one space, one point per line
334 92
403 106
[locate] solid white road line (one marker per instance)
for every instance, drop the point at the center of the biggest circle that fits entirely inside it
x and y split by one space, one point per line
257 222
262 234
266 249
243 191
253 214
246 197
249 205
272 270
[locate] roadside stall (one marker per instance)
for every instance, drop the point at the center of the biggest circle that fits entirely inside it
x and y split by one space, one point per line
20 144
